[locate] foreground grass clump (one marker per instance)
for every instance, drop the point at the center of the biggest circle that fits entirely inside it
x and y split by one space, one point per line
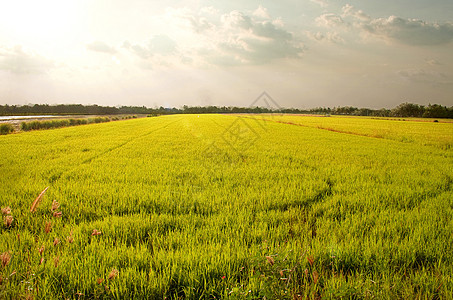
185 207
52 124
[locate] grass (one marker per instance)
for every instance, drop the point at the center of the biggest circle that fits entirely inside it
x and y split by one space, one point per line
178 207
412 130
6 129
52 124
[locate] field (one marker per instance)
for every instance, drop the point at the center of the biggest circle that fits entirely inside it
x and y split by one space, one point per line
222 206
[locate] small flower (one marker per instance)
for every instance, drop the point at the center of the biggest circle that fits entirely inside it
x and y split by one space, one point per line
223 277
8 221
96 232
5 257
6 210
113 274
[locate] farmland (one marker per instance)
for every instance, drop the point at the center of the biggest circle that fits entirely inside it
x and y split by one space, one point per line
218 206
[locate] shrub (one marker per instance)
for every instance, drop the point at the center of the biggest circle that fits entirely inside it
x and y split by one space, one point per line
36 125
6 129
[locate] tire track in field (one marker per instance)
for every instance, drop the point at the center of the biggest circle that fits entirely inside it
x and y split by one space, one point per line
52 179
319 127
400 139
126 142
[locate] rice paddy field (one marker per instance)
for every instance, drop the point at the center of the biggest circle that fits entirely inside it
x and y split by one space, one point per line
228 207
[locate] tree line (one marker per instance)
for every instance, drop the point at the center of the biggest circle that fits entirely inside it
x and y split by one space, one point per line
402 110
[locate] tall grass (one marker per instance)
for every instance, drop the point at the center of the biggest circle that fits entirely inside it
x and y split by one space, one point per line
6 129
37 125
141 209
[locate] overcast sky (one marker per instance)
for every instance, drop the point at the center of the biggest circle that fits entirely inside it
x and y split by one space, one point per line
305 53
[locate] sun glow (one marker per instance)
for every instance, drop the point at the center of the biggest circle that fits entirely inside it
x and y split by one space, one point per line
43 20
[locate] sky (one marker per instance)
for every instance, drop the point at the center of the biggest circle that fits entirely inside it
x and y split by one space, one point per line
304 54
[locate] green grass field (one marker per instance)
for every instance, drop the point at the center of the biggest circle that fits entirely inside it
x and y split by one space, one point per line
221 206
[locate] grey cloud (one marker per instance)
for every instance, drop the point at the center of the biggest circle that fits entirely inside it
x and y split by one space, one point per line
331 37
321 3
234 38
199 24
423 76
18 61
433 62
412 32
159 44
241 39
102 47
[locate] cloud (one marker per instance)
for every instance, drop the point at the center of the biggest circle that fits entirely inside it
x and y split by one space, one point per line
433 62
210 38
159 50
422 76
330 20
101 47
321 3
351 11
237 38
16 60
406 31
411 31
262 12
332 37
157 45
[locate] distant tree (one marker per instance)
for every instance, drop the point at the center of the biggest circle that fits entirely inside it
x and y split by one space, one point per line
363 112
403 110
436 111
382 112
408 110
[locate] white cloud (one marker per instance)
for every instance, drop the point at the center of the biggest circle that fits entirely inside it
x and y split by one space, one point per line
393 28
234 38
102 47
262 12
209 10
330 20
18 61
350 11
